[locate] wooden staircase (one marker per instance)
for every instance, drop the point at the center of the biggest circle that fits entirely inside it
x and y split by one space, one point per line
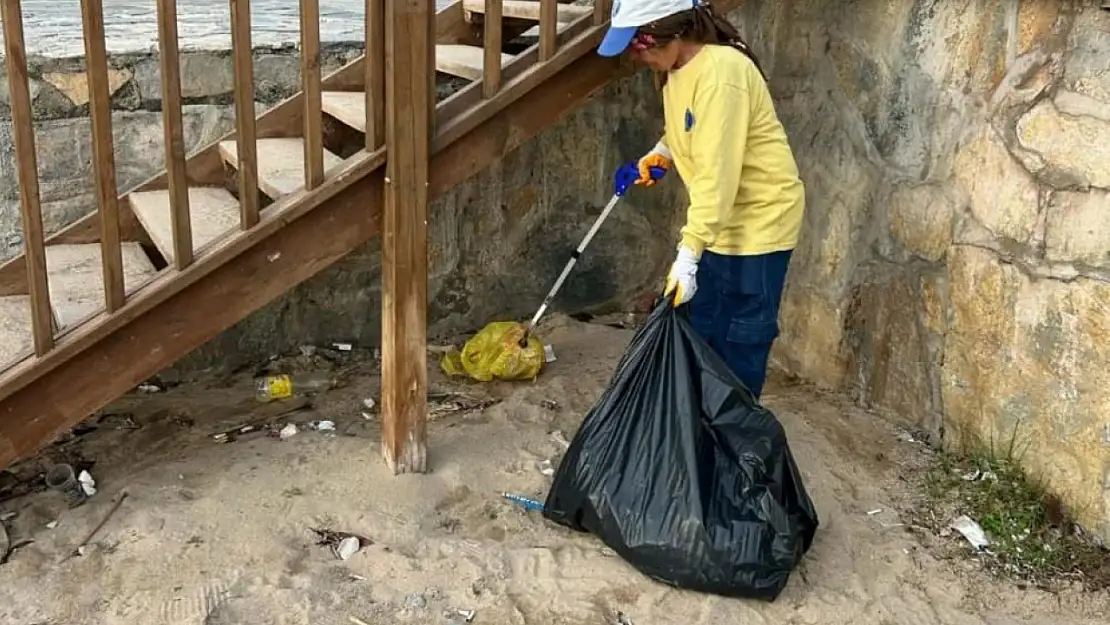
91 311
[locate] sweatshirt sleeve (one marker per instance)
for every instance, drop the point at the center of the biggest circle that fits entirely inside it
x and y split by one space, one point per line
717 143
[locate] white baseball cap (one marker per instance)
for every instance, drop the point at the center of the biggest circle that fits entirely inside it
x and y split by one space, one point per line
630 15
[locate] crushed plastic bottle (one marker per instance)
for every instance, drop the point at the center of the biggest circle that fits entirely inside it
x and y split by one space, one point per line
274 387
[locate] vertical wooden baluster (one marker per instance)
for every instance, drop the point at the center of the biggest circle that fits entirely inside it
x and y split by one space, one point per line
104 162
549 22
491 39
601 11
310 85
245 145
409 101
375 74
174 135
23 136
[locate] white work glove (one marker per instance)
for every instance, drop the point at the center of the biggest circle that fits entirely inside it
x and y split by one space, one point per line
682 281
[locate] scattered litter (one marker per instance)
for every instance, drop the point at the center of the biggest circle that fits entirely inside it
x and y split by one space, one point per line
343 347
978 475
356 621
149 388
622 619
272 387
307 351
549 404
60 477
559 438
524 502
357 578
51 525
546 468
874 512
369 405
548 354
971 531
289 431
343 544
416 601
466 615
323 426
443 404
347 547
608 553
265 422
117 501
88 484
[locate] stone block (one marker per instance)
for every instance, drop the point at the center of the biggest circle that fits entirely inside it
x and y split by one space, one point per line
1078 227
921 219
1072 150
75 85
203 75
889 357
983 167
1087 67
811 332
1025 370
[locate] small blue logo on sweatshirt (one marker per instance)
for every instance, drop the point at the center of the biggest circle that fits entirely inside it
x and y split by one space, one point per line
689 120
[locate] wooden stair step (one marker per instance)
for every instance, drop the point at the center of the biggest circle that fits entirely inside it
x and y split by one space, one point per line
280 164
213 212
77 280
15 328
529 9
348 107
463 61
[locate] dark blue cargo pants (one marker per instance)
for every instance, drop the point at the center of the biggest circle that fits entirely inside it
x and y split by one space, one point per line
736 310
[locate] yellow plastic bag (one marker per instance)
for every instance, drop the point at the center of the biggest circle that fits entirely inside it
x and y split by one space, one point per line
495 352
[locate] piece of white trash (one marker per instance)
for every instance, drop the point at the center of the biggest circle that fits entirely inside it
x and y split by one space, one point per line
88 484
970 530
347 547
548 354
546 468
288 431
558 437
325 426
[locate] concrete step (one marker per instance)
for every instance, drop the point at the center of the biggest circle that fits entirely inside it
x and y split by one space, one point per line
77 280
213 213
463 61
281 164
348 107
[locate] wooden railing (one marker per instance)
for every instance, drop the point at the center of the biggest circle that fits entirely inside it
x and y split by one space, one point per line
402 121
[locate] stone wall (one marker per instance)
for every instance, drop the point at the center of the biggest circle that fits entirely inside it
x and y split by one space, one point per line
59 90
955 263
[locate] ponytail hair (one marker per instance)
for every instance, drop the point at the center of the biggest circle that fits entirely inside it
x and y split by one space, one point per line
701 24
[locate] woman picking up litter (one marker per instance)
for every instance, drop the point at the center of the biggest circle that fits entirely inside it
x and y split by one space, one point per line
746 199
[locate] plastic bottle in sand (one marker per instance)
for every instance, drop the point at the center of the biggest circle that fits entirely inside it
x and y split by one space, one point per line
274 387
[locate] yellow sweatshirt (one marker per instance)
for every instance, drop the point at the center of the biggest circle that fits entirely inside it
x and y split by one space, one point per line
731 151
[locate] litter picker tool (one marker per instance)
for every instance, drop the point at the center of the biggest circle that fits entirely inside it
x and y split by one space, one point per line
656 174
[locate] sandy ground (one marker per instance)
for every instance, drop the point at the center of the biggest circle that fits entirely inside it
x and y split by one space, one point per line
220 534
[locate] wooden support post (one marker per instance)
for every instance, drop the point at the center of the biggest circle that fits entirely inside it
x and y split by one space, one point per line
245 128
174 134
104 161
601 11
549 25
310 85
409 101
375 74
491 39
30 208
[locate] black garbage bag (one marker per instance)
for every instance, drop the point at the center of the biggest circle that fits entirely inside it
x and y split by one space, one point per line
680 471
